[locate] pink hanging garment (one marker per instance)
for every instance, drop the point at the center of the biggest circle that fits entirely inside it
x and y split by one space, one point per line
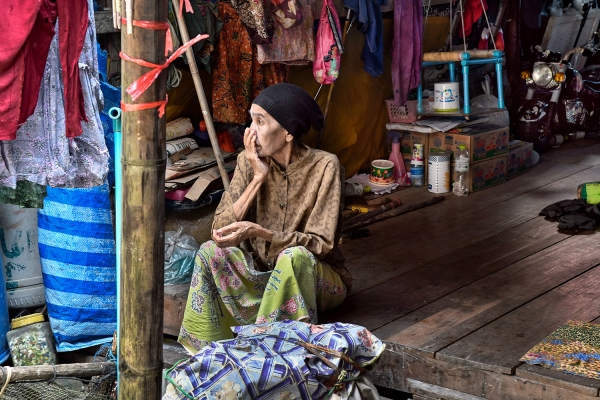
329 49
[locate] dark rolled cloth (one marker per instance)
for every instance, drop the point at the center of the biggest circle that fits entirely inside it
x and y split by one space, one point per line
292 107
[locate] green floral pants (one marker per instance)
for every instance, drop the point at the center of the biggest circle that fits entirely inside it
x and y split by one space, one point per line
227 291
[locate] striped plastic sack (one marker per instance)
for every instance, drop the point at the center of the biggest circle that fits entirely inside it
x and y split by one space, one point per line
77 251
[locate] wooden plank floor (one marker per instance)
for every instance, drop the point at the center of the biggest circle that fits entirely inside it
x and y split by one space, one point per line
461 290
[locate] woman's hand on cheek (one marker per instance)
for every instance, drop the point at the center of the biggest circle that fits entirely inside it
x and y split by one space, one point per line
259 165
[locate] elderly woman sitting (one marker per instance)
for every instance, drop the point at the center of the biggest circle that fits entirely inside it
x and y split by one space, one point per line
284 200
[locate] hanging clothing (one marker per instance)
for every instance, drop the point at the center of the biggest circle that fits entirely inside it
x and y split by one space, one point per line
256 16
473 11
73 15
407 49
31 24
41 152
273 361
370 22
294 45
227 290
204 20
238 77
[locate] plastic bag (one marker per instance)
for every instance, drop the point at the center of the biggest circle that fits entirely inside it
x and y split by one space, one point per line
329 48
180 251
487 99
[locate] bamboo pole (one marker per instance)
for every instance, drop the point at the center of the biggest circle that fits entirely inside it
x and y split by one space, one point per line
46 372
189 53
142 257
456 55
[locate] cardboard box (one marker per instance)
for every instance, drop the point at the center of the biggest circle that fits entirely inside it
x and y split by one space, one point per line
519 159
410 138
485 174
483 141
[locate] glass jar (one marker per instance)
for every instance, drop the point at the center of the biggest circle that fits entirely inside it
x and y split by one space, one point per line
416 176
31 341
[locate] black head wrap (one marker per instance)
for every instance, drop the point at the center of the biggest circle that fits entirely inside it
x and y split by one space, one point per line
292 107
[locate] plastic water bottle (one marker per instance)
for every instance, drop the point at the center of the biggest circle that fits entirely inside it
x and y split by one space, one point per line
461 187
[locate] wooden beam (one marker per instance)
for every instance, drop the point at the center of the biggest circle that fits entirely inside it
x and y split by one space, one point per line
142 256
396 366
46 372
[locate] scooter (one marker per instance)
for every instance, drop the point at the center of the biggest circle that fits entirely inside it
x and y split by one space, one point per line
561 102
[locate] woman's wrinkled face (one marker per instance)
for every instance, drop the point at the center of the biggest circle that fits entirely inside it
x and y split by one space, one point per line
271 137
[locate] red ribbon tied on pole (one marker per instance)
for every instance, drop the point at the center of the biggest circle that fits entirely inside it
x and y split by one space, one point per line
162 104
138 87
188 7
156 26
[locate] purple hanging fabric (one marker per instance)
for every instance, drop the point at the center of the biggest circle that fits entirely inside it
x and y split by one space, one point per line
407 47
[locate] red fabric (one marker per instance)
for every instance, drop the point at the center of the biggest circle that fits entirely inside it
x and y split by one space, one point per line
499 39
139 86
73 26
473 11
27 31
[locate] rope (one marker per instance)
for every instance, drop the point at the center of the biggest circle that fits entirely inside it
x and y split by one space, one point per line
451 24
174 77
8 375
488 25
54 377
318 91
427 13
462 22
167 377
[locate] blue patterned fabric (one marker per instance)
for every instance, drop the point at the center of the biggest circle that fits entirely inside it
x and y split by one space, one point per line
267 362
77 251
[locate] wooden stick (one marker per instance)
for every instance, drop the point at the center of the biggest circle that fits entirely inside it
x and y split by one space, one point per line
350 215
129 16
393 213
386 207
214 141
45 372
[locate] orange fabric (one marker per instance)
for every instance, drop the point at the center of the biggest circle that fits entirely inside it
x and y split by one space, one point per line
238 77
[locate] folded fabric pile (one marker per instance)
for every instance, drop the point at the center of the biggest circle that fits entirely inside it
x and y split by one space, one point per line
573 214
284 360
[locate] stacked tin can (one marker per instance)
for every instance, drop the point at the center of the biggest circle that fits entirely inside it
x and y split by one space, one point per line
438 179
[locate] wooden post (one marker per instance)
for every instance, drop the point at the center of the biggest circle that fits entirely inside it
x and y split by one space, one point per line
142 250
512 41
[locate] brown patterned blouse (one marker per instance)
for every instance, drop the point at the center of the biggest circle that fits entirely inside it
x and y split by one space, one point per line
300 205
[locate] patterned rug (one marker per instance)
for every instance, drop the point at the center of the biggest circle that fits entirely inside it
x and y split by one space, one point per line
573 348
